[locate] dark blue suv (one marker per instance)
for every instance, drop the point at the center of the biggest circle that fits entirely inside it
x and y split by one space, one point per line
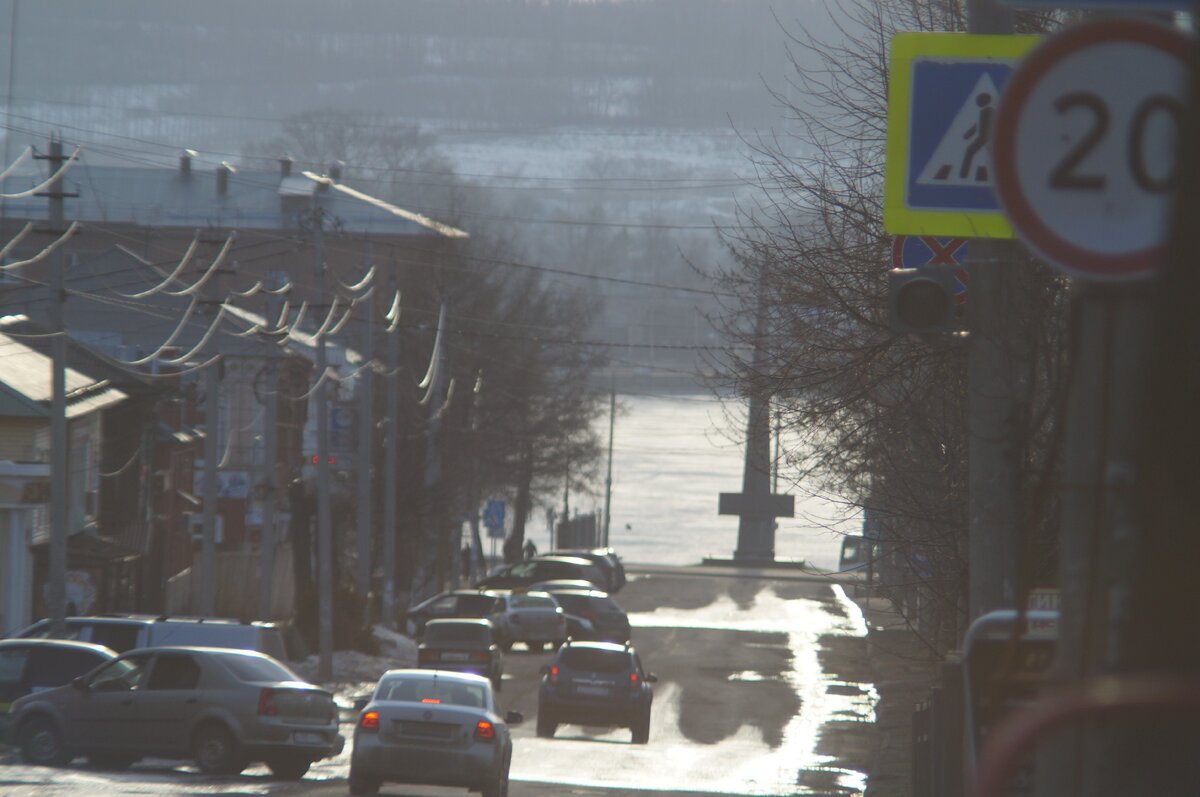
596 683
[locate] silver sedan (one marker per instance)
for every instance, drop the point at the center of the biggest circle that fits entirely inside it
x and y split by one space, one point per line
432 727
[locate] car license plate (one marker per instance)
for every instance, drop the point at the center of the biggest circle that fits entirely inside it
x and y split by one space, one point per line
309 738
598 691
455 656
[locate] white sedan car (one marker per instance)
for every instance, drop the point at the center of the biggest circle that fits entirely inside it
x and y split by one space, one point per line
432 727
534 618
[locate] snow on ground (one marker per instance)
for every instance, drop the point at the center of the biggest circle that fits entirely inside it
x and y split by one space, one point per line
356 673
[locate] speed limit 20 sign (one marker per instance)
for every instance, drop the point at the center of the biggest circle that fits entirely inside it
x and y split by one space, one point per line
1085 146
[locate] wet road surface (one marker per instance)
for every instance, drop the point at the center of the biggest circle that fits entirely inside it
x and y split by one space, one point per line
764 690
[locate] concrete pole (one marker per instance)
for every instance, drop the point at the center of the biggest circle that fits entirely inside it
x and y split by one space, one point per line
324 506
270 477
59 508
992 498
612 420
208 547
391 470
366 448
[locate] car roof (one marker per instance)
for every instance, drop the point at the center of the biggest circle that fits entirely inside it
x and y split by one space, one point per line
610 646
575 560
205 649
589 593
66 644
460 621
439 675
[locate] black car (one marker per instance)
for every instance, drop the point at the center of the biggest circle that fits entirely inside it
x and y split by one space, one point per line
31 665
462 645
592 614
605 558
458 603
520 575
596 683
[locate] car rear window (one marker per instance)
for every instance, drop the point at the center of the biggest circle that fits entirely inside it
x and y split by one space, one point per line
118 636
257 668
595 660
436 633
432 691
572 603
532 602
58 666
475 605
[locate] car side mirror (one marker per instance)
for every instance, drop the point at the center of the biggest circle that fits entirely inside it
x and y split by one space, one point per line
651 678
361 702
544 669
514 718
80 683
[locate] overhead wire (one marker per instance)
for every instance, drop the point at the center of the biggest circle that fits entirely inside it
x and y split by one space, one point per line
42 186
46 252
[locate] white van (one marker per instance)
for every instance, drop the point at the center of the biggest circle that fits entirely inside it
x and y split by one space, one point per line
126 632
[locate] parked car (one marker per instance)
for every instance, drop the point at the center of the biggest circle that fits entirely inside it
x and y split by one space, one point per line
592 614
222 707
34 665
596 683
561 584
462 645
124 632
520 575
454 603
605 558
432 728
532 617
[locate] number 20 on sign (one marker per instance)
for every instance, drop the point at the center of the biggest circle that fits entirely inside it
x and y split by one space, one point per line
1085 149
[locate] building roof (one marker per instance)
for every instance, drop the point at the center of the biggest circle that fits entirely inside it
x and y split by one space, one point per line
26 382
192 198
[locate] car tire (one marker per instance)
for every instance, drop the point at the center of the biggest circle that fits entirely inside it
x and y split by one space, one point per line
216 751
641 729
42 744
546 726
506 646
113 762
361 784
499 788
289 767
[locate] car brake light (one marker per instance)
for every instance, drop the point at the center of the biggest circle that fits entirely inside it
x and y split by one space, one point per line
369 721
485 731
431 700
633 681
266 703
553 676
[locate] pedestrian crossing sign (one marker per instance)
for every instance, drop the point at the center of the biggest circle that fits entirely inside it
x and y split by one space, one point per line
943 92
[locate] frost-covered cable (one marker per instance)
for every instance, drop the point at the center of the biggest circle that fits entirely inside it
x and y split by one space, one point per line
306 394
437 349
328 322
362 283
224 463
136 455
183 264
393 314
371 363
49 180
282 289
170 341
253 289
363 297
12 167
212 330
442 410
42 255
16 239
338 326
196 286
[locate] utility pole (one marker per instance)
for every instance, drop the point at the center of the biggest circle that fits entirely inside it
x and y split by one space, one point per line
476 540
391 463
59 510
324 508
612 420
366 447
433 459
991 399
270 478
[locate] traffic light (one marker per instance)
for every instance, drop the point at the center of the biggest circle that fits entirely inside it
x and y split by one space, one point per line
921 300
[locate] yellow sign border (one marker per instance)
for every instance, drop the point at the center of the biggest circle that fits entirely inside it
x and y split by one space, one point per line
898 218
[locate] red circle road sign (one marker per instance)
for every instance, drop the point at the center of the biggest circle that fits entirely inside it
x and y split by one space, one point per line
1085 143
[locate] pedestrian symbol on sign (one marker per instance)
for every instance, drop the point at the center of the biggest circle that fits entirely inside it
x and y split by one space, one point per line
961 157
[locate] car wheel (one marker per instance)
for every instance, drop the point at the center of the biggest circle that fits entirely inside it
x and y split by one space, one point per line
42 744
111 761
546 726
498 788
362 785
215 751
506 645
289 767
641 729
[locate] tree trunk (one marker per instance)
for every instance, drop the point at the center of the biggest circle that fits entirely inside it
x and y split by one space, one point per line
516 541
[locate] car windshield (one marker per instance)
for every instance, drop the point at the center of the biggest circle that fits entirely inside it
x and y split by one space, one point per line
595 660
254 669
432 691
436 633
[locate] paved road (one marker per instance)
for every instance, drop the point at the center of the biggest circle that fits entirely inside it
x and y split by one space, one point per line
764 691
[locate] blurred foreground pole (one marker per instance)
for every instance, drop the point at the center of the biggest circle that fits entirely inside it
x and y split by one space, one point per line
59 521
991 401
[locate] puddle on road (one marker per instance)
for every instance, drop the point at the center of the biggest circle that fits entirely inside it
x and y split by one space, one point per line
743 763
